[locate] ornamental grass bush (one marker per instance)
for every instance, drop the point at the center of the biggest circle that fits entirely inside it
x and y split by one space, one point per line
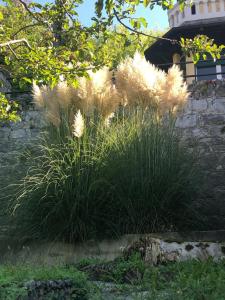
102 169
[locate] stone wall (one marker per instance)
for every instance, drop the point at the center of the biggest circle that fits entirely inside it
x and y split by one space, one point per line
201 124
15 140
5 85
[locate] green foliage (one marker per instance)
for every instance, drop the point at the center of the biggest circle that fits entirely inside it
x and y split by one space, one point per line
134 266
13 279
200 47
121 44
57 44
189 280
8 110
132 176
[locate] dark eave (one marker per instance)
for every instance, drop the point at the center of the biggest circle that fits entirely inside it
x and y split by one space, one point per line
162 51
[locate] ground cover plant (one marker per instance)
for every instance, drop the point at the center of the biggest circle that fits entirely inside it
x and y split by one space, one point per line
120 279
181 280
35 282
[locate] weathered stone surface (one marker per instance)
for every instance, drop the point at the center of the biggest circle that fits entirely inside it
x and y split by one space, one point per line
205 89
156 251
5 84
199 105
217 106
202 124
186 121
14 140
213 119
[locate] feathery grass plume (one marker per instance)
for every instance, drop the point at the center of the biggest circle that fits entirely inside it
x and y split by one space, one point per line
174 90
98 93
94 93
55 101
78 125
137 81
38 96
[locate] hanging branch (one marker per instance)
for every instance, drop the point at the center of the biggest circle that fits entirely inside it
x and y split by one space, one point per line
29 11
21 41
143 33
26 27
33 15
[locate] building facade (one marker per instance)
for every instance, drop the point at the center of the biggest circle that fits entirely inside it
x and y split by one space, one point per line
203 17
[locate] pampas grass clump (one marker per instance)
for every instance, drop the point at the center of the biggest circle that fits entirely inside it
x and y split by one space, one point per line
102 171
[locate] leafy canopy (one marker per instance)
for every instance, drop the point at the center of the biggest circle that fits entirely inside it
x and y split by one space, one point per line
48 42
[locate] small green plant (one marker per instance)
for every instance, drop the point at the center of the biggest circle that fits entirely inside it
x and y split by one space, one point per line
188 280
8 110
14 281
129 271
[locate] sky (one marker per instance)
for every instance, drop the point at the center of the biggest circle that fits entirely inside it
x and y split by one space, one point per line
156 18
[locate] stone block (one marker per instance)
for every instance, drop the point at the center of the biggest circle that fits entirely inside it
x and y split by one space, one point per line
199 133
4 132
18 133
198 105
186 121
212 119
217 106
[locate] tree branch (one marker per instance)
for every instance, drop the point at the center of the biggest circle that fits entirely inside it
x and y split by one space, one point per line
26 27
29 11
21 41
143 33
14 53
33 15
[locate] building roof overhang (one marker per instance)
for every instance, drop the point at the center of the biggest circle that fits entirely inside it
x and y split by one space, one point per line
162 50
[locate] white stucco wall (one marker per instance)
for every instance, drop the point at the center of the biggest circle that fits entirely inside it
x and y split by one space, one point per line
205 9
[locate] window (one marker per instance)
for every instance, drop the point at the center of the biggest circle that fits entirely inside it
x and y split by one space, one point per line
177 17
206 73
201 7
223 71
217 2
193 9
172 21
209 4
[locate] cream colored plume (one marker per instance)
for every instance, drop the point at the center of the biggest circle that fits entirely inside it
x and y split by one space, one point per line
38 95
139 82
98 93
174 91
78 125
